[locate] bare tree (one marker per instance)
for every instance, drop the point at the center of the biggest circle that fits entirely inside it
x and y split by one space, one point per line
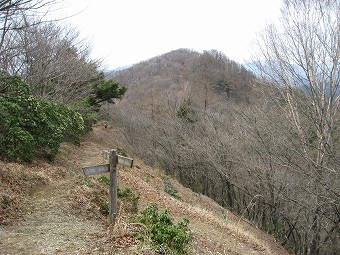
52 58
12 11
55 61
301 56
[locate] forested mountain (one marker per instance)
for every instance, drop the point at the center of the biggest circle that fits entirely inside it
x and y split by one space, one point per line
224 132
184 74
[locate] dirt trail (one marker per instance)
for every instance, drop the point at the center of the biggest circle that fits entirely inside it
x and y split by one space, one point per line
49 225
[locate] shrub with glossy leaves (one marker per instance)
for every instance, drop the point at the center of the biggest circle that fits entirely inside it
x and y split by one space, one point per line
18 144
166 236
31 125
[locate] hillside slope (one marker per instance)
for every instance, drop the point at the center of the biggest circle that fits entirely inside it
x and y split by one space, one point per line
50 208
166 79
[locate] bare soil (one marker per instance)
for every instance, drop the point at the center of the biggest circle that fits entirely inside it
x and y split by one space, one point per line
47 227
52 208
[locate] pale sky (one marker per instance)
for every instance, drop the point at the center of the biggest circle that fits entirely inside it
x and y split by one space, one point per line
125 32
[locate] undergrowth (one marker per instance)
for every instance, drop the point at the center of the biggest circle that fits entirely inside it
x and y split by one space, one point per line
158 228
166 236
169 187
129 198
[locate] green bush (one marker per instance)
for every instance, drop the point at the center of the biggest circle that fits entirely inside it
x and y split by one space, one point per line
169 188
166 236
31 125
83 180
12 85
88 112
104 207
18 144
103 179
122 152
130 198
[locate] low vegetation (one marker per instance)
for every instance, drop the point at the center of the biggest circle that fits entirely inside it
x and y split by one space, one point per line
130 200
169 187
158 228
166 236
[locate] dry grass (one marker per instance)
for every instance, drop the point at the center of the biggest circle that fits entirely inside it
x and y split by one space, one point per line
61 190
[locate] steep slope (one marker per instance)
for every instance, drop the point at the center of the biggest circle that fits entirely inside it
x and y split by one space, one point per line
57 213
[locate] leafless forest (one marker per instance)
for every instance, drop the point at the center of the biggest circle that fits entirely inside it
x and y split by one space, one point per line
236 147
263 144
48 54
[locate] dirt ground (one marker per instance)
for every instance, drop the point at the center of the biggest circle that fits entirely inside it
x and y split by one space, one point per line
52 210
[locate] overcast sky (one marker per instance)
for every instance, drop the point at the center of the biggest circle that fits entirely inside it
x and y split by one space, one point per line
125 32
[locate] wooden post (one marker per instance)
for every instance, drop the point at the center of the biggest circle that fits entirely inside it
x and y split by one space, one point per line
113 186
114 159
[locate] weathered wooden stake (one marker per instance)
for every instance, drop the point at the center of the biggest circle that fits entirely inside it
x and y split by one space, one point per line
114 159
113 186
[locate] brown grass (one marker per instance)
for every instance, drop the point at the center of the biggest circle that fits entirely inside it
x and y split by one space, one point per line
60 189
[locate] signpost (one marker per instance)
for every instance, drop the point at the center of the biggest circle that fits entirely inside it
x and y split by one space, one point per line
121 159
89 170
114 159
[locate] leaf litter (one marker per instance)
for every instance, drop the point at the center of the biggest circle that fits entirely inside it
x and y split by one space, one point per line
54 209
